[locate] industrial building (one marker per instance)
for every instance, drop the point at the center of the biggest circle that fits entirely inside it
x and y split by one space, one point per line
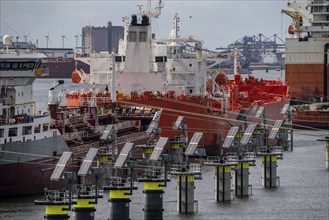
96 39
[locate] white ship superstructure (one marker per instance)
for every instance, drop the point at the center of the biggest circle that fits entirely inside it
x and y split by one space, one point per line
27 144
147 65
307 50
19 120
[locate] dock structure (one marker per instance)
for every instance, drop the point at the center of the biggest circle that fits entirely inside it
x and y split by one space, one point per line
223 178
239 140
154 182
286 132
242 176
119 199
185 177
86 196
120 188
269 167
84 209
179 143
177 150
186 173
181 162
153 191
58 203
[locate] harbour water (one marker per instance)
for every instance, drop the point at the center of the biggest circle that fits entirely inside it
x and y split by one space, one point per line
303 191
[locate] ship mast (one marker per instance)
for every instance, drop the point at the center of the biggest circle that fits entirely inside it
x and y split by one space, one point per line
174 31
152 14
235 54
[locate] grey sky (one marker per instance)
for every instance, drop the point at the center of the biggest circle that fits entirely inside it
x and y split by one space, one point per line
216 22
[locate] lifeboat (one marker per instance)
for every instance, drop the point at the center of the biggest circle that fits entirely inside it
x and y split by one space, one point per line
291 29
76 76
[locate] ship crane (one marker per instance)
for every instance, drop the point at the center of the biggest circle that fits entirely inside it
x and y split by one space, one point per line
297 17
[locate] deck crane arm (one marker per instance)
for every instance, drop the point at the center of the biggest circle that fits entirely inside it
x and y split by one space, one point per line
299 7
297 16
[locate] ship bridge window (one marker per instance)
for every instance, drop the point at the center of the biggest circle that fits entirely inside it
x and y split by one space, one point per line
2 132
17 65
27 130
120 59
160 59
37 129
28 65
142 36
45 127
132 36
12 132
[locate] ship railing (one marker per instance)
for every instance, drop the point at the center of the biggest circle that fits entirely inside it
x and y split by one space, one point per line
132 137
18 119
81 55
213 159
278 150
232 158
8 101
56 195
177 167
195 168
87 100
119 182
75 135
85 190
192 168
250 155
124 125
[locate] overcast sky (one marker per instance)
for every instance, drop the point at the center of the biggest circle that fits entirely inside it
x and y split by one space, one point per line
216 22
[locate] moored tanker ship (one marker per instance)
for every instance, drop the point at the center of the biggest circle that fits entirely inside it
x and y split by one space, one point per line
167 75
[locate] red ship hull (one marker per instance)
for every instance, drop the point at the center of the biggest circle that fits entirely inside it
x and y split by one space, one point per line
199 118
27 178
306 80
314 119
